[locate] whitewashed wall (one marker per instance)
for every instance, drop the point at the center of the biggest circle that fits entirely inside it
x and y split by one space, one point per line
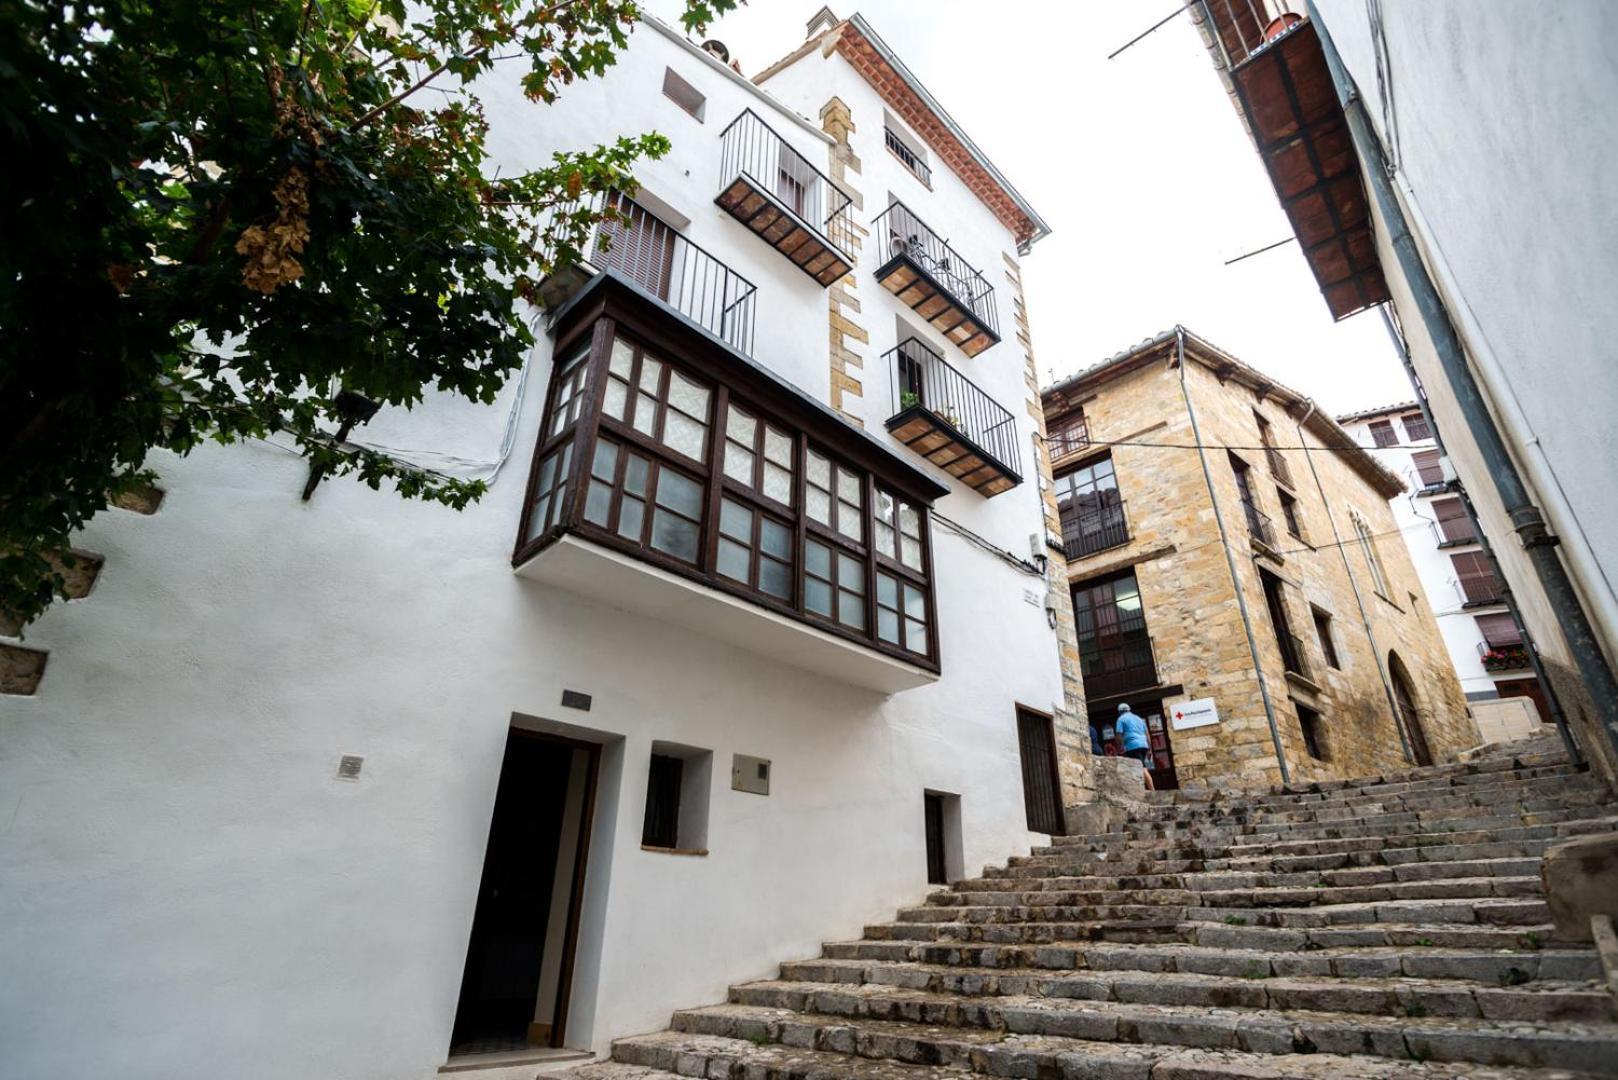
186 891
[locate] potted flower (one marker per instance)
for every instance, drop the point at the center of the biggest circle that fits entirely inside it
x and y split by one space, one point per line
909 399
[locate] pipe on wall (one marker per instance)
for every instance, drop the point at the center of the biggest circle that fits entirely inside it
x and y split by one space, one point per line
1230 560
1527 521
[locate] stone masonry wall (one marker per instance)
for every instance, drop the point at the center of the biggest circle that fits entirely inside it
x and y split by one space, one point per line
847 364
1190 601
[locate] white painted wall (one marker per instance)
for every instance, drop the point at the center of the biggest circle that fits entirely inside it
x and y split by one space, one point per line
1500 117
186 891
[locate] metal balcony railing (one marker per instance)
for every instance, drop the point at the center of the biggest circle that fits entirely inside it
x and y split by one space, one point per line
1089 529
1478 588
900 232
1117 665
920 378
1258 523
1244 27
749 147
923 171
660 260
1503 656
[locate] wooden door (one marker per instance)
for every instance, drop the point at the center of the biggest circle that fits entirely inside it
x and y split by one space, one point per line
1041 785
1409 716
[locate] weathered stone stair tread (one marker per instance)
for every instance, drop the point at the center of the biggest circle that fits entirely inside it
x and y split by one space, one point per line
945 1031
1495 867
1231 896
716 1056
1254 987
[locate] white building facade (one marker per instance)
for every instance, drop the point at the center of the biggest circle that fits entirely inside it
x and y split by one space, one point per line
745 644
1463 592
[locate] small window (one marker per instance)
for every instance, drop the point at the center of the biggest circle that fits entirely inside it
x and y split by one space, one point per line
677 783
1416 428
901 613
758 455
897 530
1499 631
1373 561
909 151
755 549
833 584
684 94
836 497
1327 645
1382 433
1313 735
1069 434
1289 513
1429 467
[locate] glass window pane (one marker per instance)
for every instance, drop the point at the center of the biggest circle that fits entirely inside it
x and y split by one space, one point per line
819 471
741 427
775 539
910 552
851 610
887 625
684 434
674 535
777 483
736 520
775 578
848 487
848 521
616 400
631 516
547 473
635 475
739 464
817 505
915 636
817 597
538 520
850 573
651 372
778 447
689 396
883 510
734 560
887 591
884 539
817 559
645 414
606 460
598 503
915 602
677 492
909 520
623 358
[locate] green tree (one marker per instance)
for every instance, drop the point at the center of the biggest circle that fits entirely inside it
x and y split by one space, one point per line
221 219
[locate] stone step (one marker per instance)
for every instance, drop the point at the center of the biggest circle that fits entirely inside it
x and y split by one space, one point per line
1478 954
1315 890
1170 803
833 1054
1237 879
909 1026
1254 987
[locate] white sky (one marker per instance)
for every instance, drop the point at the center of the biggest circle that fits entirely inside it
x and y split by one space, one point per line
1139 165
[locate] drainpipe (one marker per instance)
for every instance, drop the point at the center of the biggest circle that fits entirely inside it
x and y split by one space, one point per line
1552 699
1526 519
1359 600
1230 560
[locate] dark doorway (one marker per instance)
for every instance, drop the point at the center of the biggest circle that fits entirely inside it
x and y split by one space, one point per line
1041 785
1104 734
519 959
1405 697
937 869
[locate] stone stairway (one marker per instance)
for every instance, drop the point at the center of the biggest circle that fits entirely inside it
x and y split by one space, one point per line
1384 927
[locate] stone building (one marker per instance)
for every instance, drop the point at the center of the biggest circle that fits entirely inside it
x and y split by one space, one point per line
1238 577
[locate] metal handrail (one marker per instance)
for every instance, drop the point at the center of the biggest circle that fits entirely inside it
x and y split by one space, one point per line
900 232
752 148
907 156
1258 523
919 378
1261 14
663 262
1087 530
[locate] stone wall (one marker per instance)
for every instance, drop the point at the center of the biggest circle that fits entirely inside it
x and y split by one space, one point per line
1200 642
847 363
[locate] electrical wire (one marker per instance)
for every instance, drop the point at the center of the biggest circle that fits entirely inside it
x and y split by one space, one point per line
1009 558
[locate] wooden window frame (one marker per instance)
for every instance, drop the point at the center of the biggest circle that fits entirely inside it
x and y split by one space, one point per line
1377 434
593 425
1328 644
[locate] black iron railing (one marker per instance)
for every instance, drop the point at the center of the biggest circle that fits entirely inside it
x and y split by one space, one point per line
1117 665
753 149
1258 523
1244 27
921 379
899 232
923 171
1089 529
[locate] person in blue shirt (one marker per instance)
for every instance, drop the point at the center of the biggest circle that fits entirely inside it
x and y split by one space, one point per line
1132 734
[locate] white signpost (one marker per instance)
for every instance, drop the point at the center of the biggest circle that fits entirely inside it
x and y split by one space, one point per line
1193 714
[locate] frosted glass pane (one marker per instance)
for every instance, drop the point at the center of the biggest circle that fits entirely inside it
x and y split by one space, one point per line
775 578
651 371
848 488
851 610
635 475
915 603
606 459
778 447
909 520
848 521
679 493
623 358
915 636
684 434
674 535
537 521
736 520
887 591
598 503
617 398
850 573
819 471
777 483
817 597
910 554
631 516
775 539
887 626
547 472
734 560
645 414
817 558
739 464
883 510
741 427
884 539
689 397
818 505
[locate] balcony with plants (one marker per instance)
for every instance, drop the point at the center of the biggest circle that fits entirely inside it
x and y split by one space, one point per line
947 419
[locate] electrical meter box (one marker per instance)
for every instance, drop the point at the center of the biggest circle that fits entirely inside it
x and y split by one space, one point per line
751 774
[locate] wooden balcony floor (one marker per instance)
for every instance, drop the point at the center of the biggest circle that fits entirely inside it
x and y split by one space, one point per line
935 439
784 230
933 301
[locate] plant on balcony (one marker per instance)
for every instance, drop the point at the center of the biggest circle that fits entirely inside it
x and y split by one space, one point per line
949 415
223 217
1505 658
909 399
